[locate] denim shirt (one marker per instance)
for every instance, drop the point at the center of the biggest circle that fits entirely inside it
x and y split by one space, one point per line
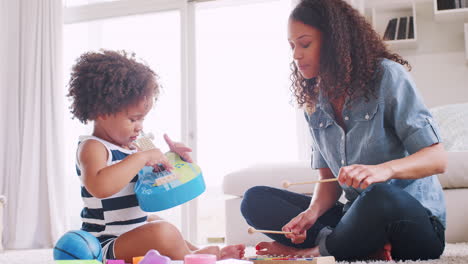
392 126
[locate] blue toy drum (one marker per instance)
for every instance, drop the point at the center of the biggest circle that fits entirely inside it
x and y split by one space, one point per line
157 191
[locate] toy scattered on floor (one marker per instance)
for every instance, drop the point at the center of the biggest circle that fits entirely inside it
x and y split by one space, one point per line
153 257
291 260
115 261
157 191
200 259
136 260
78 261
78 244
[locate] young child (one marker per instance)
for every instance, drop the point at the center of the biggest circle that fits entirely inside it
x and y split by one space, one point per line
116 92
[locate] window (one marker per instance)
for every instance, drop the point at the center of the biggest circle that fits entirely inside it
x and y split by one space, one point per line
155 38
71 3
244 112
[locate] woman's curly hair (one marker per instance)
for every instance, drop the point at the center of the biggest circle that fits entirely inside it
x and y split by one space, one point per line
107 82
349 57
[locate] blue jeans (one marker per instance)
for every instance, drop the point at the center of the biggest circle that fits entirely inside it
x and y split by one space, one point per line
381 214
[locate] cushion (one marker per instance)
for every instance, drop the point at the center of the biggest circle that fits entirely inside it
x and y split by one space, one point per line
456 174
453 123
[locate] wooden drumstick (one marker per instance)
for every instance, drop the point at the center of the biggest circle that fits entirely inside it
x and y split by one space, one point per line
286 184
252 230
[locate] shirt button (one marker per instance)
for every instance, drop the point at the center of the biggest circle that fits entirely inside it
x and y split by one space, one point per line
342 162
346 118
321 124
367 117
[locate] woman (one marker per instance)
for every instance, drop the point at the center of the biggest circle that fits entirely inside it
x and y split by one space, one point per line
371 131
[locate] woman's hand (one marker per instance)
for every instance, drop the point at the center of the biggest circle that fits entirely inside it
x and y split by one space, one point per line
179 148
299 226
361 176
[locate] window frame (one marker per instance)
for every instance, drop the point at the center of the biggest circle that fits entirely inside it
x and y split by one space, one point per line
187 9
122 8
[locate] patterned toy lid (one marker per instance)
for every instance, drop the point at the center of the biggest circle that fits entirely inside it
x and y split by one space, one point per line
157 191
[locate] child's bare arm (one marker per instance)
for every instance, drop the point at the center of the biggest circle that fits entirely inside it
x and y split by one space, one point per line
102 180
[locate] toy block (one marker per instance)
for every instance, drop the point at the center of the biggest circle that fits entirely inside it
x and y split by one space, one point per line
78 261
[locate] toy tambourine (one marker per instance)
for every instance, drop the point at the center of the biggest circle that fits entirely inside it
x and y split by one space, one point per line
157 191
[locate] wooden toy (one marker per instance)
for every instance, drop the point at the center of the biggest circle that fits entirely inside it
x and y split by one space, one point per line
287 184
291 260
252 230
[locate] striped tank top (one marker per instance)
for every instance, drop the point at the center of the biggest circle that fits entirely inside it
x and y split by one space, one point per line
110 217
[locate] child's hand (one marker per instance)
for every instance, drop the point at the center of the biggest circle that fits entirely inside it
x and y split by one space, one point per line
154 157
179 148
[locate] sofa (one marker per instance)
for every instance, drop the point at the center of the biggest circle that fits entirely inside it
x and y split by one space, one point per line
453 122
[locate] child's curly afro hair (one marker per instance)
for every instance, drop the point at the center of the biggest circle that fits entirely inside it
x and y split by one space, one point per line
107 82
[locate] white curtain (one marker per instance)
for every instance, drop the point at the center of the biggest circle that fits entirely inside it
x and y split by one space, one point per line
33 178
3 96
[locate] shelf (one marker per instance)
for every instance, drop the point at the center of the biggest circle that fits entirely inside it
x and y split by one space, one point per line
402 43
454 14
383 13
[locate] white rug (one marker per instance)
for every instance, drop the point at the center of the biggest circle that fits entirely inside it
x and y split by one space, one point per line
453 254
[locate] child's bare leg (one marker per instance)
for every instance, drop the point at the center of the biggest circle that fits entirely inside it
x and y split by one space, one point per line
191 246
168 241
154 217
214 250
159 235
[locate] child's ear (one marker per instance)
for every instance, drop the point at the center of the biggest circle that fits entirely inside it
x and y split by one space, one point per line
101 117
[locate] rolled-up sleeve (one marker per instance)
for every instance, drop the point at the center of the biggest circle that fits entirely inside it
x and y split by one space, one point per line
411 119
317 160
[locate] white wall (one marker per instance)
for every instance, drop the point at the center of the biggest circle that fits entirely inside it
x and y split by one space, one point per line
439 66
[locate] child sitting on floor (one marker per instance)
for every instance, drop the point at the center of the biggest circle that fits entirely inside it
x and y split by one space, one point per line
116 92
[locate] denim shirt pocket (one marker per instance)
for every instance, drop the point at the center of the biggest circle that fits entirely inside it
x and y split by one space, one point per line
371 136
369 123
320 124
320 120
367 114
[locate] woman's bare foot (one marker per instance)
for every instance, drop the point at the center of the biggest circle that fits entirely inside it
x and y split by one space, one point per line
383 254
232 251
277 249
